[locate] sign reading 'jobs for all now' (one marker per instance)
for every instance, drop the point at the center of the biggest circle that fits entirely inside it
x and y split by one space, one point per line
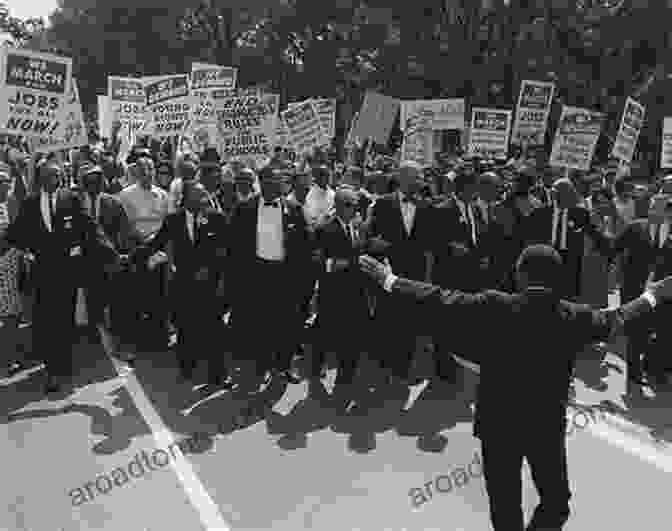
34 89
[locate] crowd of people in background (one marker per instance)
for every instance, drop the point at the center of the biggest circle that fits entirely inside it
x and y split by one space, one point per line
225 261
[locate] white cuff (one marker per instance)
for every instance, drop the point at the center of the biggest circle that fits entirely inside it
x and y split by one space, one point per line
330 265
650 297
390 279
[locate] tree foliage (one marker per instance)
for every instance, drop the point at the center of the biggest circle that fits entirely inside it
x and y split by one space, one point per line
598 51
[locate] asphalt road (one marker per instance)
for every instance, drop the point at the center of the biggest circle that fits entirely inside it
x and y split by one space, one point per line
68 462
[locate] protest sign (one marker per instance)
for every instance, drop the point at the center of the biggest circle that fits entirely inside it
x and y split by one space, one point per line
445 114
374 120
576 138
206 81
326 110
534 106
204 77
418 142
71 132
246 125
489 132
666 148
104 116
304 127
169 105
126 101
34 89
628 133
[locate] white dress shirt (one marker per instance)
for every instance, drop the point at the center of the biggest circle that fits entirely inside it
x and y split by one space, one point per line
270 234
214 202
407 211
88 204
560 217
191 226
659 233
467 213
146 209
47 209
319 204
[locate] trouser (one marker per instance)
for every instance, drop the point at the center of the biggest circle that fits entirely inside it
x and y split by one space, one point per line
397 328
546 455
659 361
97 296
54 325
265 316
347 337
148 309
638 340
197 321
9 339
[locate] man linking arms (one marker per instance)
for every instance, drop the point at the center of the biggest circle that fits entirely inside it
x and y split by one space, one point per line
526 344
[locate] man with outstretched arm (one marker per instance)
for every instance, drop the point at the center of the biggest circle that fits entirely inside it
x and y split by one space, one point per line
525 344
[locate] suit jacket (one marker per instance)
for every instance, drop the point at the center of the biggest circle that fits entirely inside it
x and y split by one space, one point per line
639 256
72 228
342 295
189 256
458 259
539 227
406 251
244 227
113 220
526 349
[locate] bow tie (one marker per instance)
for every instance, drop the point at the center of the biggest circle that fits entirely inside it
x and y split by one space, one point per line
274 204
406 199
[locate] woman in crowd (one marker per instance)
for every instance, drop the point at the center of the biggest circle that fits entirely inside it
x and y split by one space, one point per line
10 260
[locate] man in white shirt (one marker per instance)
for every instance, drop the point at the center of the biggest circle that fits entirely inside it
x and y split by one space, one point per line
319 204
146 207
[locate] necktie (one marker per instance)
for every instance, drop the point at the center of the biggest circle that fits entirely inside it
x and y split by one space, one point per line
94 207
563 230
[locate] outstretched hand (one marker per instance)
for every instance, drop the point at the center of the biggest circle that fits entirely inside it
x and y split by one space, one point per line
374 268
662 289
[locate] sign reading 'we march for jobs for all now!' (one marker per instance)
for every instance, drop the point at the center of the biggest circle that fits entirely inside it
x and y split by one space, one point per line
34 90
71 132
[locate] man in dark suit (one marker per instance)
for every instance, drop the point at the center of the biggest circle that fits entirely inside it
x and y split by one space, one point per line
517 344
639 245
564 226
462 253
270 246
343 321
108 212
66 243
198 236
400 229
647 254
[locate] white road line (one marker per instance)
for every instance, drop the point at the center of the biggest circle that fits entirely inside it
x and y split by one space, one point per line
208 511
645 452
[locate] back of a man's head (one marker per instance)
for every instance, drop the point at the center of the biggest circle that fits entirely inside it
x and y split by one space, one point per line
539 266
